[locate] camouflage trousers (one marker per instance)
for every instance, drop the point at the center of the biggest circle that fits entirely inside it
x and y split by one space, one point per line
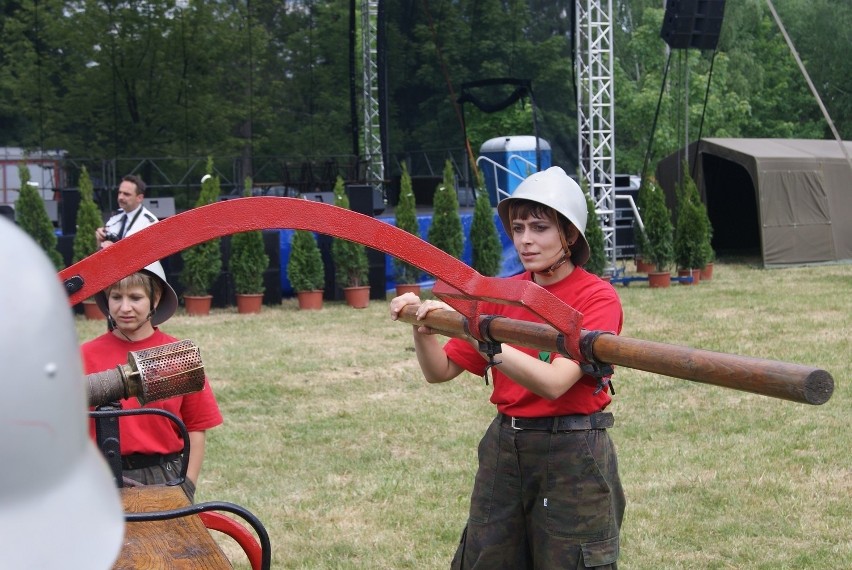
543 500
165 473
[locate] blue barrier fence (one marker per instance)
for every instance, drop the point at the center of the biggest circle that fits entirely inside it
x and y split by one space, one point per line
509 266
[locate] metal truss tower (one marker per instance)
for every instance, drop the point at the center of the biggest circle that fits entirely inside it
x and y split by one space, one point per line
595 109
372 137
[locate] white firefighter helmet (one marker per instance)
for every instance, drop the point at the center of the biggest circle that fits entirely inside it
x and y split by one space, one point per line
168 302
59 504
553 188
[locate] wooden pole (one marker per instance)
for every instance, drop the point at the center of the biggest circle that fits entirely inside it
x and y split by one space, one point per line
784 380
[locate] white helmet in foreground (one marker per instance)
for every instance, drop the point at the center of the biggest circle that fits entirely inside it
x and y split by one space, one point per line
553 188
59 505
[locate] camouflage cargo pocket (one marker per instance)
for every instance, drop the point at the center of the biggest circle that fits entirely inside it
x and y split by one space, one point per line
486 475
579 500
602 553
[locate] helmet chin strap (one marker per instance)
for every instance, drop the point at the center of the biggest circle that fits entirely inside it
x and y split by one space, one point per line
113 326
563 259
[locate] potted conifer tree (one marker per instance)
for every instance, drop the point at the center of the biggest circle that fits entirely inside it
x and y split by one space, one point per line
659 231
31 215
248 264
688 243
89 219
406 219
305 270
351 266
202 263
691 231
446 231
486 249
640 238
709 253
595 238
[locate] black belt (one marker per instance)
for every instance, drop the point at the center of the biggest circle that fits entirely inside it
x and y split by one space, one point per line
600 420
142 460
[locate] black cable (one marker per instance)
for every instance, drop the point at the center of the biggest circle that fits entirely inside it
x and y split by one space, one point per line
245 514
99 414
703 112
656 115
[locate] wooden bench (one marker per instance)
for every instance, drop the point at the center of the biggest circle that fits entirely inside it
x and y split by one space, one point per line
180 543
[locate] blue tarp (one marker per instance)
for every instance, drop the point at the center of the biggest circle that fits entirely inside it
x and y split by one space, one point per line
510 264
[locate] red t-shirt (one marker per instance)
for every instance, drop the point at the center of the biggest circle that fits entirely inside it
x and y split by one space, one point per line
597 300
150 434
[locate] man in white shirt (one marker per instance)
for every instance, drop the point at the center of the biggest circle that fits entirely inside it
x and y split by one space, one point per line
132 215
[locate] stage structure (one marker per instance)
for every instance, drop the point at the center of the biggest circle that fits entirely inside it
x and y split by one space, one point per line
374 135
595 104
595 112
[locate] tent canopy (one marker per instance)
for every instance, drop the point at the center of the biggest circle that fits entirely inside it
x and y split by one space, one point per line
788 199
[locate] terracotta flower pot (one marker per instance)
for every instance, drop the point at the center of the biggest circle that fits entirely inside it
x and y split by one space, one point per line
198 306
694 273
91 310
707 272
249 303
404 288
643 266
357 297
310 300
659 279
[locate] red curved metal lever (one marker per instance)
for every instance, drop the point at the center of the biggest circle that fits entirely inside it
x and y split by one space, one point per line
174 234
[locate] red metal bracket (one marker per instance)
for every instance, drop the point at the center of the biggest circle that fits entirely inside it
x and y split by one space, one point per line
462 286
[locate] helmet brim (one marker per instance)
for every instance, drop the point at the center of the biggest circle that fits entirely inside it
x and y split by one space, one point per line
580 252
168 301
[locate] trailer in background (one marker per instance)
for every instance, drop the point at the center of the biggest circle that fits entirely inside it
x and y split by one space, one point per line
46 174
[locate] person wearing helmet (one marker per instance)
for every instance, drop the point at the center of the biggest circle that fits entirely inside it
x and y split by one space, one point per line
58 506
547 493
150 444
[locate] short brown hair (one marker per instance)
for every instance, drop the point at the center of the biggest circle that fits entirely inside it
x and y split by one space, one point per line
520 209
133 179
150 284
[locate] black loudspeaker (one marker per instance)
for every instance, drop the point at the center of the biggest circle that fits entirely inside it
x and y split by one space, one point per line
362 199
693 23
68 206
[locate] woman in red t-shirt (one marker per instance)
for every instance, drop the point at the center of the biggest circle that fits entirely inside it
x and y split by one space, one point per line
547 492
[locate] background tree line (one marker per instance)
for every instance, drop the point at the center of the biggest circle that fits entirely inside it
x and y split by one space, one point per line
248 79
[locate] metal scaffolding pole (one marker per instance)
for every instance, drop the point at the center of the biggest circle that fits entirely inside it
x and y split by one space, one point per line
595 109
372 151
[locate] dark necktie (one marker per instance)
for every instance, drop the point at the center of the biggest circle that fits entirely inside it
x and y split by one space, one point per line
123 223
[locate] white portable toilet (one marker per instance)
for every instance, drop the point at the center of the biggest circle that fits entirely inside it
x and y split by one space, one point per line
506 161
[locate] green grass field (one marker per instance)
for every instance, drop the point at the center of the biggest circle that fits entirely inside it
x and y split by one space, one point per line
352 461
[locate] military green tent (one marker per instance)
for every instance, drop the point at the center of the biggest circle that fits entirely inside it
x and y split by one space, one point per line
790 200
